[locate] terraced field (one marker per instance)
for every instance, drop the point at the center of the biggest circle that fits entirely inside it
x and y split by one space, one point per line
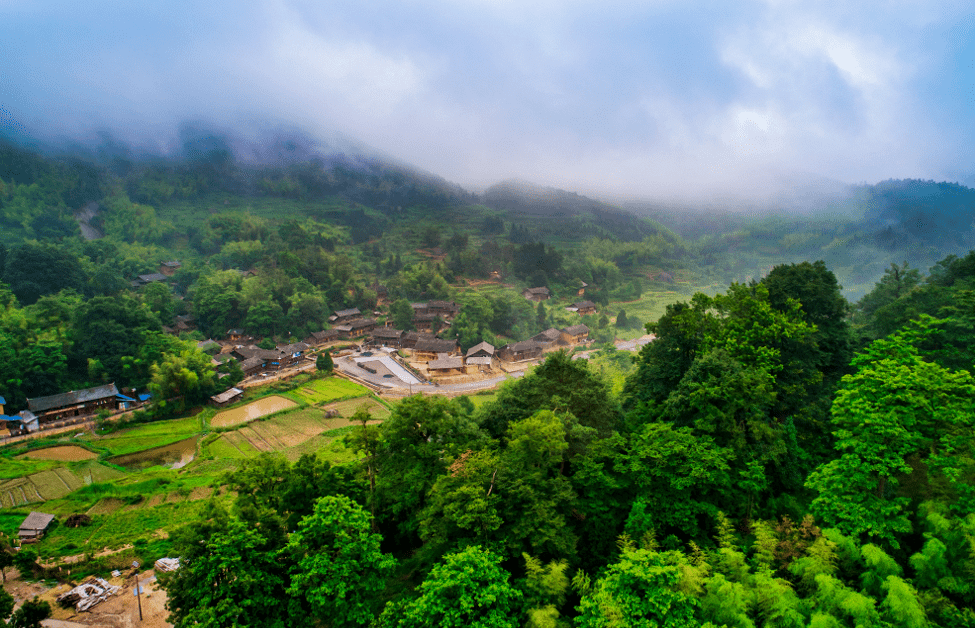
53 483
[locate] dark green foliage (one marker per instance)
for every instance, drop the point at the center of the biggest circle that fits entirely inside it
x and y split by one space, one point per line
339 569
561 384
34 270
467 590
30 614
324 362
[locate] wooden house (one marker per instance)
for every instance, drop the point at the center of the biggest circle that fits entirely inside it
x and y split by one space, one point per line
537 294
293 353
252 366
227 397
75 403
34 526
388 337
272 359
169 268
236 335
446 365
575 335
548 337
345 316
356 328
519 351
319 338
430 349
480 350
410 339
584 307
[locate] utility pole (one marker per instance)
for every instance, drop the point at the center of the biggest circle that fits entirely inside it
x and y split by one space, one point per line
138 592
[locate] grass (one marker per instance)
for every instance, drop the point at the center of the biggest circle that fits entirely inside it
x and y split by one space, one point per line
329 389
149 435
482 398
15 468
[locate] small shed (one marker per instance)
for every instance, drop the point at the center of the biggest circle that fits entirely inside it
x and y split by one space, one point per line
34 526
227 397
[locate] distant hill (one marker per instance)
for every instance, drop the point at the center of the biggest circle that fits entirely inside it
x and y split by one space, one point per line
522 197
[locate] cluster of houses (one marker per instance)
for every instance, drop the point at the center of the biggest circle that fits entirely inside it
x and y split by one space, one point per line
444 357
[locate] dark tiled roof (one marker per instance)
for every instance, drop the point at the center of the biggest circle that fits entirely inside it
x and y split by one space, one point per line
524 345
151 277
436 345
549 335
445 363
350 312
40 404
481 346
294 347
387 332
576 330
584 304
37 521
364 322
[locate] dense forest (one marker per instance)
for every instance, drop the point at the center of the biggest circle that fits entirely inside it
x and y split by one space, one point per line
777 456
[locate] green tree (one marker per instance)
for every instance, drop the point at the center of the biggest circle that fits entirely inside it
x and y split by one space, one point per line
34 270
236 577
895 408
560 383
418 439
6 603
402 314
638 590
621 320
339 569
30 614
467 590
181 380
324 362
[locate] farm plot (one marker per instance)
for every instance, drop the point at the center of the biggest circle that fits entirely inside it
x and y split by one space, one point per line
18 492
150 435
322 391
347 408
253 410
53 483
63 453
231 445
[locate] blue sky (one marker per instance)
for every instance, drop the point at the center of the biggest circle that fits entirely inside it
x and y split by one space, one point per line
644 98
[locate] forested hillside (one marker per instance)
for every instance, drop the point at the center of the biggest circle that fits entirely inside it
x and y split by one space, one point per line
777 456
766 464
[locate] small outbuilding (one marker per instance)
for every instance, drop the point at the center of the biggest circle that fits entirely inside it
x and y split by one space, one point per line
34 526
227 397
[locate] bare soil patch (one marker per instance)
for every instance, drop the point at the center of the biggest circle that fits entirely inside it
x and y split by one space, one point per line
63 453
253 410
201 492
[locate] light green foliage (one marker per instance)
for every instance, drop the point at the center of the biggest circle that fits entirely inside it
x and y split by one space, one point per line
638 591
676 478
467 590
183 379
339 569
895 406
464 504
879 567
902 608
